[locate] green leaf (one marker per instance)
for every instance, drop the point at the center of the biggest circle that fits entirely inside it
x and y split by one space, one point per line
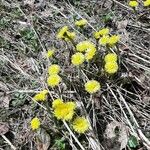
133 142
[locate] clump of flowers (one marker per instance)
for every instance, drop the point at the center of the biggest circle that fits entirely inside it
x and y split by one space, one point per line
80 124
63 110
88 48
41 96
35 123
92 86
100 33
81 23
133 3
53 80
77 59
53 69
111 65
109 40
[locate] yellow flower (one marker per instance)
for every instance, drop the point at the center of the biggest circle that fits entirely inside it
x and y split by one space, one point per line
90 53
102 32
96 35
147 3
77 59
56 103
62 32
111 67
111 57
133 3
84 45
81 23
70 35
64 111
53 80
53 69
104 40
92 86
80 125
35 123
113 40
49 53
41 96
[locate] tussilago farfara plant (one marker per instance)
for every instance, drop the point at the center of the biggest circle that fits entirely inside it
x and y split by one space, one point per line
85 54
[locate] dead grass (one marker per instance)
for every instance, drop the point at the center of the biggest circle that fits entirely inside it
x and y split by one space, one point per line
28 30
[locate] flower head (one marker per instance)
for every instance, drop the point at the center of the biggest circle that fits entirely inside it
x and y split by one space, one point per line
53 80
111 67
35 123
111 57
41 96
104 40
70 35
77 59
62 32
80 125
113 40
92 86
90 53
147 3
53 69
56 103
96 35
102 32
64 111
81 23
133 3
84 45
49 53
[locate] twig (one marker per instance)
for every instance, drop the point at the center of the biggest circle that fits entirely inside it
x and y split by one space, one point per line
131 114
66 125
7 140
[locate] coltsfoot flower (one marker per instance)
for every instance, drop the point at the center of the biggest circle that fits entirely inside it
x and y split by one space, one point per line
80 125
56 103
90 53
53 69
104 40
100 33
81 23
70 36
147 3
111 67
84 45
114 39
62 32
53 80
35 123
111 57
49 53
133 3
64 111
92 86
41 96
77 59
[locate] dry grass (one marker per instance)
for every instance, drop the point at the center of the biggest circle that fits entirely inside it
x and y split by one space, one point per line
28 30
